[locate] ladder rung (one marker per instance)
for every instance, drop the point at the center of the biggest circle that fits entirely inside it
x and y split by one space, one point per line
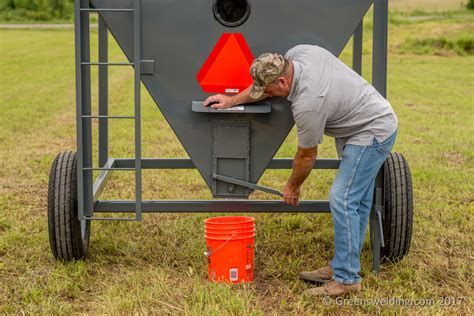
105 64
109 219
108 169
106 10
108 116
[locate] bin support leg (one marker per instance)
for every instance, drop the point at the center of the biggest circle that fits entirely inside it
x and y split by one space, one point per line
376 222
357 48
83 108
379 51
103 93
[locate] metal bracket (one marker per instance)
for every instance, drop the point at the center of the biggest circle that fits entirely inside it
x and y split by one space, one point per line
379 219
147 67
376 225
250 185
378 213
125 219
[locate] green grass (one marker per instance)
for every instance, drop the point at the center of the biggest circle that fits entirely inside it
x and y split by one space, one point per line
443 34
157 266
424 5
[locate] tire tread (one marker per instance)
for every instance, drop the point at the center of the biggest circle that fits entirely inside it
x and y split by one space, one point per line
398 219
66 240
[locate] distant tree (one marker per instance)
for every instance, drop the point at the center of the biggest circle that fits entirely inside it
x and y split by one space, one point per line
470 4
36 9
6 4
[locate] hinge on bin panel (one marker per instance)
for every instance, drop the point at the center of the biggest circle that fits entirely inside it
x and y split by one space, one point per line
148 67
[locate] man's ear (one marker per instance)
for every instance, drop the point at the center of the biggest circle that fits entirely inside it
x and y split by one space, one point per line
282 80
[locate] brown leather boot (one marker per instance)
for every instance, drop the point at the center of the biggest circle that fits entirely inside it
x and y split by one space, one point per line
333 288
321 275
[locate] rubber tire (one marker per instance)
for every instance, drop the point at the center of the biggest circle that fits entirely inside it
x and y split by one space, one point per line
398 221
66 238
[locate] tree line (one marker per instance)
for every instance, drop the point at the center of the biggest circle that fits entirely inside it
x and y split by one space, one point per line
36 10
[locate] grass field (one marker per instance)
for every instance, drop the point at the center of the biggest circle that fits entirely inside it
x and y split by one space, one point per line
430 5
157 266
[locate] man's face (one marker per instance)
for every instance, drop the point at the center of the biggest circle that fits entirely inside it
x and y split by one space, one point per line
278 89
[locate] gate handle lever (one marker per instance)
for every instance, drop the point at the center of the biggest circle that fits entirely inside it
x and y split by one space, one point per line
378 213
245 184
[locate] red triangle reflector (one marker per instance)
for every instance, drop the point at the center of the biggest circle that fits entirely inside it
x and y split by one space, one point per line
226 70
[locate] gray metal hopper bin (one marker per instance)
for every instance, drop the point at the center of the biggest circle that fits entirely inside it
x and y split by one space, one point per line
173 47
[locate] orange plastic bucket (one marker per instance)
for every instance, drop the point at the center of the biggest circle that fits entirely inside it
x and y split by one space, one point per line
230 248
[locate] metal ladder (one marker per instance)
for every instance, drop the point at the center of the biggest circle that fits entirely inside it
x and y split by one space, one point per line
83 105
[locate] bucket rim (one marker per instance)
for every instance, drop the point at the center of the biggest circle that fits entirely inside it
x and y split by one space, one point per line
239 225
214 220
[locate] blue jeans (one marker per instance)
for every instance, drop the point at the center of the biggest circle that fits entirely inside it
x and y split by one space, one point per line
350 200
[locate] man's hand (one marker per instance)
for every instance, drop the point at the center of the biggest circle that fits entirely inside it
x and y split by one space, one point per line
291 194
219 101
302 165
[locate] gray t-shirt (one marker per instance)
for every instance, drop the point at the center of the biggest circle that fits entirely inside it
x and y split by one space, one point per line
330 98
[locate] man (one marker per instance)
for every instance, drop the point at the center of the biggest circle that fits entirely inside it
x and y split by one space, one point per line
328 98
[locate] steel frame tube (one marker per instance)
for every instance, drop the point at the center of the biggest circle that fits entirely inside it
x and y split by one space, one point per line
379 52
103 93
209 206
78 56
184 163
379 81
83 107
137 95
357 48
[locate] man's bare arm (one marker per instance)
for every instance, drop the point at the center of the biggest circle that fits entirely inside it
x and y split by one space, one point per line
220 101
302 165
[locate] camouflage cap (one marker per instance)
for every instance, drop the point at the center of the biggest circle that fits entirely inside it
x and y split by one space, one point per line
264 70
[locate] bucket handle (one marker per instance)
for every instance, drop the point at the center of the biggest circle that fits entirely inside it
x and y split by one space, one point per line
209 253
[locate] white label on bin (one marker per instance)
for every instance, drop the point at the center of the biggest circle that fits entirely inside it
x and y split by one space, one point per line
233 274
248 267
231 90
234 108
